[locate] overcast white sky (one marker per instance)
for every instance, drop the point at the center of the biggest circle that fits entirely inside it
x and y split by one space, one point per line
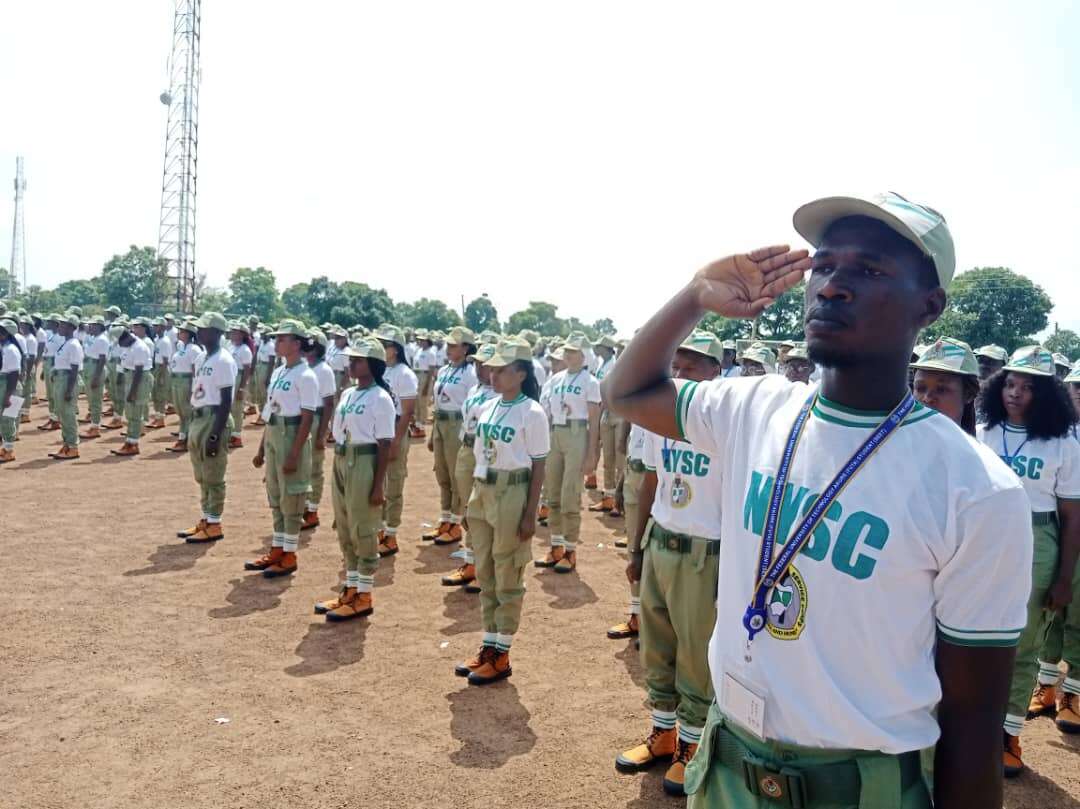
592 154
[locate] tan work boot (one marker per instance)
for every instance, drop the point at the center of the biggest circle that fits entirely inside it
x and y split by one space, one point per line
606 504
236 442
179 446
1043 701
265 561
627 629
554 554
285 566
1068 713
568 562
90 434
590 482
460 577
1011 760
495 668
249 410
310 520
452 534
199 526
356 607
211 532
66 453
416 431
155 423
675 777
660 745
6 455
115 424
126 450
438 530
620 542
469 666
24 418
323 607
388 545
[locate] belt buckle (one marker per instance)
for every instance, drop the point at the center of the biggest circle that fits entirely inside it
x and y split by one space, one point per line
783 786
673 543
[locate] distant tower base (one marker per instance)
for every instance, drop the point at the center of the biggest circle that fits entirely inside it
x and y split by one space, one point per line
18 233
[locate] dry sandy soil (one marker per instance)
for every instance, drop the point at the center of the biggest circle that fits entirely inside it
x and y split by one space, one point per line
123 647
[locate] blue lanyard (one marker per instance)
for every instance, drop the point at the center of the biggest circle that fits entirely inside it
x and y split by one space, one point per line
770 571
450 378
1008 457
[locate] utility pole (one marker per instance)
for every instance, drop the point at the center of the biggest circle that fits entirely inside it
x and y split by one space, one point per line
176 228
18 232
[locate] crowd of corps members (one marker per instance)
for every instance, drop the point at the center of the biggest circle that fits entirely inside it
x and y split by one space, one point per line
517 428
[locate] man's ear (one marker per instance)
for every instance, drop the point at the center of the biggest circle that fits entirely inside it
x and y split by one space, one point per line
933 306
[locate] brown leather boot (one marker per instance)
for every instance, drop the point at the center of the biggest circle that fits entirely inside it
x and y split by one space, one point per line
1043 701
495 668
554 554
323 607
568 563
6 455
1011 760
235 442
590 482
179 446
285 566
388 545
265 561
170 410
310 520
66 453
1068 713
211 532
627 629
675 777
356 607
620 542
199 526
438 530
460 577
155 423
416 431
660 745
605 505
469 666
90 434
24 418
452 534
127 450
249 410
46 425
115 424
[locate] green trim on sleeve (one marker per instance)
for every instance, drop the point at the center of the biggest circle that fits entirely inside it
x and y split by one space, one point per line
682 407
979 637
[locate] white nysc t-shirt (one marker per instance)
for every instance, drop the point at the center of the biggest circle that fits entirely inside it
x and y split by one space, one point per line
185 357
402 382
213 373
635 443
293 388
1047 469
364 416
930 543
510 435
98 348
473 404
69 356
571 394
452 385
136 355
688 486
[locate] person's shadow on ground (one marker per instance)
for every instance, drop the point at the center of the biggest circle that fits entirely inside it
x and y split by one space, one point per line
250 593
490 723
171 557
329 646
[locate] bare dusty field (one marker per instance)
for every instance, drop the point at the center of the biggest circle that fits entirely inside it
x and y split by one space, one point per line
124 651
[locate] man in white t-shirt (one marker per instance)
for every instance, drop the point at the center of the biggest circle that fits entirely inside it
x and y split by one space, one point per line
728 368
136 361
894 629
97 358
163 349
424 365
610 428
213 377
67 365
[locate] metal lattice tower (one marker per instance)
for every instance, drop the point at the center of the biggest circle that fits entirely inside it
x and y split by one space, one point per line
18 232
176 229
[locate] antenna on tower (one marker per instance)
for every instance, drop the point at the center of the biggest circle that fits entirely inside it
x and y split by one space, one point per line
176 228
18 232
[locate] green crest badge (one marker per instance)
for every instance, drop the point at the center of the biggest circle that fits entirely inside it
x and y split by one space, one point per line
786 607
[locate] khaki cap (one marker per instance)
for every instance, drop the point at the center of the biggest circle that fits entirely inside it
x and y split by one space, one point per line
8 325
948 355
509 351
607 341
213 320
919 224
1074 374
71 319
576 341
290 327
368 347
459 335
389 333
1034 360
993 352
490 337
761 353
483 353
1062 360
703 342
529 336
189 325
799 352
113 310
316 335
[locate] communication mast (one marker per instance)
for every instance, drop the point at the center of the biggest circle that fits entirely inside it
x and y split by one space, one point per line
18 232
176 229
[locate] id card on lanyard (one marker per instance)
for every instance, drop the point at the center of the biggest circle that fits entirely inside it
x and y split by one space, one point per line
488 452
560 414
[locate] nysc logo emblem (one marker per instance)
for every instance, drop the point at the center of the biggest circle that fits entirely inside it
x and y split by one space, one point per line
786 607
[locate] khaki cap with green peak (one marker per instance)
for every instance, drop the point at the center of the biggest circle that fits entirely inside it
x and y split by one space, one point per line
607 341
948 355
213 320
317 336
576 341
290 327
490 336
703 342
484 353
113 310
919 224
799 352
1034 360
759 352
1061 360
459 335
529 336
1074 374
368 347
189 325
390 333
993 352
510 351
71 319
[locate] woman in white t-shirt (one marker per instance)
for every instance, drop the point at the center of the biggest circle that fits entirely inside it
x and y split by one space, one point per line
403 385
320 427
11 366
186 354
1029 424
240 348
512 444
363 427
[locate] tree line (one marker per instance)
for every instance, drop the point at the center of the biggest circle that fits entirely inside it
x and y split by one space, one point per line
986 305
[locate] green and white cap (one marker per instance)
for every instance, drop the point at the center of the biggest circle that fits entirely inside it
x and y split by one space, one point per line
759 352
117 330
8 325
510 351
459 335
948 355
53 316
189 325
213 320
390 333
1061 360
114 311
576 341
483 353
919 349
490 337
290 327
919 224
317 336
71 319
703 342
368 347
607 341
1074 374
799 352
529 336
993 352
729 345
1034 360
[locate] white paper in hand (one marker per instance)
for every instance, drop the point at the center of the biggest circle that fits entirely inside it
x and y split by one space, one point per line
12 411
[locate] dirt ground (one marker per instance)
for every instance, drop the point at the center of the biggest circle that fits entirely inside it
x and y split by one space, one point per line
125 649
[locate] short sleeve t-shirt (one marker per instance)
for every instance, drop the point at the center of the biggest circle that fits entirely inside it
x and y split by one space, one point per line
69 355
163 349
98 348
635 443
53 343
241 355
733 372
474 403
402 382
364 416
136 355
688 486
324 374
931 542
339 361
571 394
540 372
10 359
185 357
213 373
426 360
511 435
266 351
1048 470
293 388
452 385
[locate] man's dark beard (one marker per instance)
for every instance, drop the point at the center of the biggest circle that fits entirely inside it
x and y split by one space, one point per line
826 358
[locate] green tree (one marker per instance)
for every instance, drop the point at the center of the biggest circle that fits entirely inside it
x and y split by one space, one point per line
726 328
576 324
604 326
480 315
134 280
36 299
994 305
427 313
213 299
254 292
294 301
1066 341
361 304
539 316
5 283
80 292
784 319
